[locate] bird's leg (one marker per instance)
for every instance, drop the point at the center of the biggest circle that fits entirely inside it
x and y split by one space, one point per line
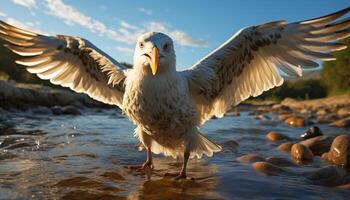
182 173
147 164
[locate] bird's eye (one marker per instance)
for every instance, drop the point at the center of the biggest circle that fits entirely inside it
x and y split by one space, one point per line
166 47
141 45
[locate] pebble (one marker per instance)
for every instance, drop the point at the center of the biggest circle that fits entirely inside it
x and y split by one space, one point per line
339 153
235 113
275 136
262 117
301 153
267 168
287 146
345 186
311 132
318 145
305 111
70 110
322 112
230 145
282 109
284 116
345 123
327 118
56 110
249 158
328 176
343 112
295 121
282 162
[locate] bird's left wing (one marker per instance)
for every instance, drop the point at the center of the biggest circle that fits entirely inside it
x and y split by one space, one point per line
246 65
68 61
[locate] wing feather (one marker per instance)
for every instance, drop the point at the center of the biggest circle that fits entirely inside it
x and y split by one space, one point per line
68 61
249 62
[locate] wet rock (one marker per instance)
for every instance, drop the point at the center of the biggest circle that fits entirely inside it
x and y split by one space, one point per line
234 113
296 121
70 110
42 111
322 112
343 112
26 96
262 117
284 116
275 136
328 176
282 162
328 118
267 168
287 146
305 111
249 158
18 145
345 123
282 109
339 153
345 186
301 153
230 145
318 145
8 141
57 110
311 132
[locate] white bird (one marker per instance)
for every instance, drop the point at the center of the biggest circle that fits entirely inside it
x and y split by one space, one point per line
168 107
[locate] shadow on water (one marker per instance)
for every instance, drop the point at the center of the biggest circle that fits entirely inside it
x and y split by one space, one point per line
84 157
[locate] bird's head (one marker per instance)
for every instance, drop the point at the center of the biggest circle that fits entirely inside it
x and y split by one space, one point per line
154 53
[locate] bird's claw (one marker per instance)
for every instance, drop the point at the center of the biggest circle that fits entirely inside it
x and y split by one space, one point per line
178 175
141 168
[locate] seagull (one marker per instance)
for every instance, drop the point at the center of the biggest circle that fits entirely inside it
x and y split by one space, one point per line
168 106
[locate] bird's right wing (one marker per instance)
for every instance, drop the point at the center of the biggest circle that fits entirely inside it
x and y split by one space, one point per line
68 61
247 64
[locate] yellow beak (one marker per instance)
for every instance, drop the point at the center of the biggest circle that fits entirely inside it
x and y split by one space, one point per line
153 60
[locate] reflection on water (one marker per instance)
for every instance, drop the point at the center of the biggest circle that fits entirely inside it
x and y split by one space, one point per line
84 157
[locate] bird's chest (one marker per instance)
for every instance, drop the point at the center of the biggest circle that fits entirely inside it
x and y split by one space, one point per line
159 107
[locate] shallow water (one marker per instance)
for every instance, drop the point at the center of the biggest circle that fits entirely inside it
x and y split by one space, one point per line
83 157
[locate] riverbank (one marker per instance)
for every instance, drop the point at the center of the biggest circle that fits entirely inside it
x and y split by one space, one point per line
25 96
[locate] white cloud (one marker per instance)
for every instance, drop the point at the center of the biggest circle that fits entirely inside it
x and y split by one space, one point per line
2 14
26 3
125 33
126 50
179 36
30 26
145 11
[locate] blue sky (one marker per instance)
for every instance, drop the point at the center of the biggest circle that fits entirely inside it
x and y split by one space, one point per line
197 26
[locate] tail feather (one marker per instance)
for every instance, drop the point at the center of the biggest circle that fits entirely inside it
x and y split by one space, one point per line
205 146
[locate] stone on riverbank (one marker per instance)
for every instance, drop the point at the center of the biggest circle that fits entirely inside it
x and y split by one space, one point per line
249 158
287 146
318 145
275 136
267 168
301 153
345 123
328 176
339 153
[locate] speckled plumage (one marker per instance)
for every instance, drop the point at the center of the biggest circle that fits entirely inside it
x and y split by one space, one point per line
168 106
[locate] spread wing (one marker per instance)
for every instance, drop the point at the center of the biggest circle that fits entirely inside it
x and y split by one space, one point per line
247 64
68 61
